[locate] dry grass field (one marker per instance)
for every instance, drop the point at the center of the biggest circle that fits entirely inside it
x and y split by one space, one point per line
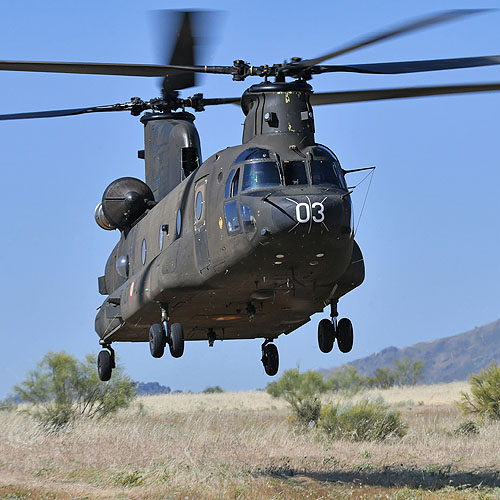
240 446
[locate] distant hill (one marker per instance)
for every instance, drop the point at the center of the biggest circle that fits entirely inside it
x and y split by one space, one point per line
151 388
446 359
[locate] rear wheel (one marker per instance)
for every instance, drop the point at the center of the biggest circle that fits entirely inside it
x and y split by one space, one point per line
176 340
326 335
157 340
345 335
104 365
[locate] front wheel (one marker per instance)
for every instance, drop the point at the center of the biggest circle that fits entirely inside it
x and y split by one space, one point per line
345 335
326 335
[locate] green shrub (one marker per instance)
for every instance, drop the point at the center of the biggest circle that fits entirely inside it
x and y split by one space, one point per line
306 413
61 388
484 399
363 421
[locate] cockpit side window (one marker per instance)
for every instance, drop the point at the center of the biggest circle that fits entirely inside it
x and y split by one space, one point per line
234 184
228 184
295 173
260 174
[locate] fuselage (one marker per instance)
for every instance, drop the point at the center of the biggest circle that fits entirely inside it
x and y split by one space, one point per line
251 244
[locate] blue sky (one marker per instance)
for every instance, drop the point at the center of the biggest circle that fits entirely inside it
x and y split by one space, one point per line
429 232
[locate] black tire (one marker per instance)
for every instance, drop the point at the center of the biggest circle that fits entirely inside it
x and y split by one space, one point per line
270 359
345 335
176 343
157 340
104 365
326 335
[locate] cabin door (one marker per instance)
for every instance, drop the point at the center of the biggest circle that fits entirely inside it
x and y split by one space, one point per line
200 223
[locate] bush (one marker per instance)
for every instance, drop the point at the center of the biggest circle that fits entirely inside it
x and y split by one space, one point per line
363 421
484 400
467 428
408 372
346 379
300 391
62 388
384 378
213 390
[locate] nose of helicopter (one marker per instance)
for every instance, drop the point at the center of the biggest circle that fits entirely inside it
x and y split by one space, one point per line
313 213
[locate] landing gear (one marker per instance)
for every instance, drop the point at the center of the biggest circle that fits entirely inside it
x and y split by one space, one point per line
328 331
160 335
105 363
270 357
326 335
157 340
344 335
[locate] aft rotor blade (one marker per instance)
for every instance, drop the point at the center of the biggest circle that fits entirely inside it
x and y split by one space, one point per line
65 112
399 67
402 29
398 93
149 70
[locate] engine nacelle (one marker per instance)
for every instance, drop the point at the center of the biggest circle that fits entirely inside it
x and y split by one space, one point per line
123 202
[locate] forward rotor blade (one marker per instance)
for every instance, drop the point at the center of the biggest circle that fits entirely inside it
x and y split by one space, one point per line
65 112
393 68
414 25
398 93
182 54
149 70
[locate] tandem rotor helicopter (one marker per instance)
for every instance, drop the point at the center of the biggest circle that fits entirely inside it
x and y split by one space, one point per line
258 237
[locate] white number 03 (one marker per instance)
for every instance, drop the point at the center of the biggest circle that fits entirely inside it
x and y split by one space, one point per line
303 212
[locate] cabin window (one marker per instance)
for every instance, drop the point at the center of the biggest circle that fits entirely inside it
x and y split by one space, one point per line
143 252
231 215
295 173
179 222
199 205
260 174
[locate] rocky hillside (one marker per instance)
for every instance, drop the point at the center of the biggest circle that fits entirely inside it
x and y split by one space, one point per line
446 359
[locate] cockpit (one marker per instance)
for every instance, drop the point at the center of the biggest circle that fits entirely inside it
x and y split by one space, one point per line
261 169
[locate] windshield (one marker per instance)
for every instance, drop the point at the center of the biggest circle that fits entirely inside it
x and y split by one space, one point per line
260 174
295 173
323 173
325 168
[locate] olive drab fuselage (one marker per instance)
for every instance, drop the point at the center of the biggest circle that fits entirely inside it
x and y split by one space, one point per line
249 244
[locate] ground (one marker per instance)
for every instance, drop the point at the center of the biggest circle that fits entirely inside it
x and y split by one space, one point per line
241 446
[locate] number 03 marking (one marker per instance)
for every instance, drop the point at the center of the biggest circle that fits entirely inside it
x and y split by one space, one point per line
303 212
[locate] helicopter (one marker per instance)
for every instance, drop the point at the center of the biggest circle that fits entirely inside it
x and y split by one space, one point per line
258 237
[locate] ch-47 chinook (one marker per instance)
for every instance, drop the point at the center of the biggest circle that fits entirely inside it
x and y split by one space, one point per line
257 238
